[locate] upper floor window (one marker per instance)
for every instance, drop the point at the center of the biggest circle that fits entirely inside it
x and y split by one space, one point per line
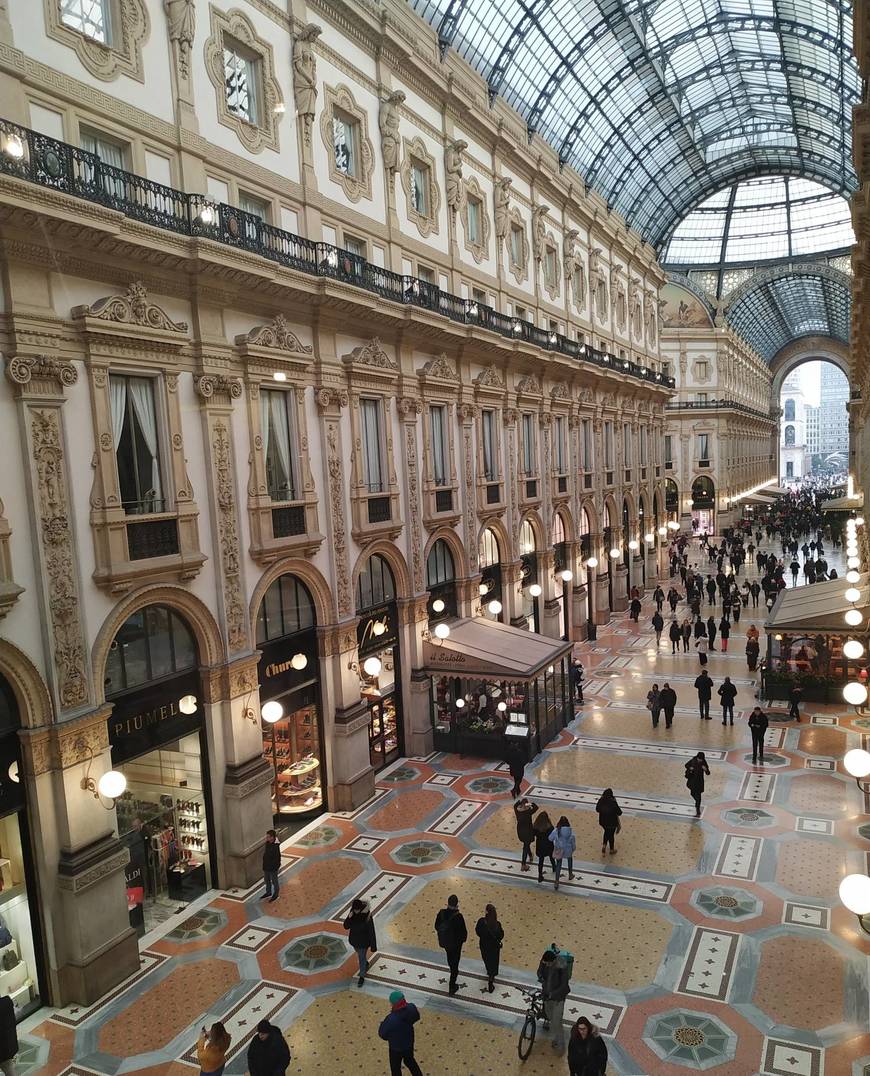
137 443
789 411
255 206
608 446
478 295
669 450
438 424
529 454
345 141
109 152
89 17
241 76
279 443
425 274
586 445
420 193
701 397
487 429
517 247
473 212
560 453
703 446
789 436
286 609
626 444
371 418
643 446
550 271
702 370
354 246
152 644
375 585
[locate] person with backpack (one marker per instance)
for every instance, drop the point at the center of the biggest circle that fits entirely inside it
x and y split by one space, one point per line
564 847
696 767
543 845
361 927
587 1051
452 935
490 936
727 693
758 727
704 687
397 1029
524 810
608 818
268 1052
555 980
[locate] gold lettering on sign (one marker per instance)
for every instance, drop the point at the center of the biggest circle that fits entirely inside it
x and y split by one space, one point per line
148 719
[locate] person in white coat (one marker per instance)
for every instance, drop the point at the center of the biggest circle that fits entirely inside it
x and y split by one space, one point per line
564 846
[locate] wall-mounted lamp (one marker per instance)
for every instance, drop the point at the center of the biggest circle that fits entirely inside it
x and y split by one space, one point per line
438 606
855 895
494 607
566 575
207 216
857 765
852 576
272 711
673 525
483 588
649 538
460 703
853 594
634 545
535 590
187 704
663 531
592 562
614 553
111 785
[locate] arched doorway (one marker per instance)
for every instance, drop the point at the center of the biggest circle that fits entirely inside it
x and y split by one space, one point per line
530 584
441 582
489 557
704 505
289 672
379 659
672 501
611 551
590 562
158 740
23 968
643 524
560 566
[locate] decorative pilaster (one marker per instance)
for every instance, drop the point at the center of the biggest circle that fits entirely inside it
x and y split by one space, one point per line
466 413
331 401
410 410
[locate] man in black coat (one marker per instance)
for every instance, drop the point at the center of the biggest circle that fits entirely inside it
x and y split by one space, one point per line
704 687
517 767
727 693
268 1053
452 935
668 701
758 727
271 866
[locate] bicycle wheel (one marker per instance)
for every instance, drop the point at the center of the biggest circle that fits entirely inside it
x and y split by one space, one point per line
527 1037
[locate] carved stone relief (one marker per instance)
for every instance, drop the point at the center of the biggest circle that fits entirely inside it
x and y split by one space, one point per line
371 354
228 536
388 123
181 18
440 367
9 591
453 173
410 409
339 528
131 308
275 334
305 77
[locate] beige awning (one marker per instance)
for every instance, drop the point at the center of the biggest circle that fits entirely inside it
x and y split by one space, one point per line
820 607
760 497
480 647
844 503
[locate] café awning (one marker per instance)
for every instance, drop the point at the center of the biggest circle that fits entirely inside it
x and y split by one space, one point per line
480 647
844 503
764 497
820 607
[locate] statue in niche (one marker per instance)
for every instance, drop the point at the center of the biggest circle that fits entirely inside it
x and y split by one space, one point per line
539 230
453 171
598 282
388 121
575 272
181 16
305 76
502 199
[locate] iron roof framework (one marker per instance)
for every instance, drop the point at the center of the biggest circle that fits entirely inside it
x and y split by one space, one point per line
786 304
660 103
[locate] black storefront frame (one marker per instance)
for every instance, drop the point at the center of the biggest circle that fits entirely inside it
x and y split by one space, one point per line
369 644
491 576
528 577
146 703
285 682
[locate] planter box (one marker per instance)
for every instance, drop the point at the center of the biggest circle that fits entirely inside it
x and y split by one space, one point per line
778 687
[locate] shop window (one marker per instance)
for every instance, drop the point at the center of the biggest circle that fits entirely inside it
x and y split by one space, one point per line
88 17
279 443
137 444
378 659
241 75
286 609
152 644
345 143
371 419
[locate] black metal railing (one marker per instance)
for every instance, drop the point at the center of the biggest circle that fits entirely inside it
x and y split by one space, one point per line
45 161
706 405
493 493
443 500
288 521
152 538
379 509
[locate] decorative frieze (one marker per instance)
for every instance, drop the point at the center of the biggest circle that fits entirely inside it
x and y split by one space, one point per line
228 536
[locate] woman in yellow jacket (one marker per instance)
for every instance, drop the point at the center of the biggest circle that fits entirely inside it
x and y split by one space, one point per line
211 1050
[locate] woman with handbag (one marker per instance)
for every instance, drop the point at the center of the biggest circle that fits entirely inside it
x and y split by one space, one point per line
490 937
361 928
608 818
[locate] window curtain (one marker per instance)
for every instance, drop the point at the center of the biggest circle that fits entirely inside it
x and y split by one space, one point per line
371 431
142 395
439 468
281 433
265 423
118 401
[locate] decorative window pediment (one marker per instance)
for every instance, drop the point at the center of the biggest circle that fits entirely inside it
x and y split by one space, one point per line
422 195
350 154
371 360
440 369
475 220
249 109
529 386
126 29
133 317
274 347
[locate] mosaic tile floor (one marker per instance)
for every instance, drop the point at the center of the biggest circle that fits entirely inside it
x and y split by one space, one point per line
714 945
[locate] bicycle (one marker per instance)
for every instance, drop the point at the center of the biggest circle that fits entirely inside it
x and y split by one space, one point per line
534 1013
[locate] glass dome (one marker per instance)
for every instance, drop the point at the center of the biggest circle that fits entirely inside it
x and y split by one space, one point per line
774 218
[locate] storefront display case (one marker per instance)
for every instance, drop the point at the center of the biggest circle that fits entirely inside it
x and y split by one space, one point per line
292 746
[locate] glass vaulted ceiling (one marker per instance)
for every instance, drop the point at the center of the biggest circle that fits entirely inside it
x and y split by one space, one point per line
660 103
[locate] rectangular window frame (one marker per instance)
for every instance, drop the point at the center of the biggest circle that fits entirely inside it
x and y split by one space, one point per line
586 450
489 445
608 446
473 213
142 506
420 184
517 245
288 399
73 17
530 454
348 127
373 444
560 445
238 60
439 444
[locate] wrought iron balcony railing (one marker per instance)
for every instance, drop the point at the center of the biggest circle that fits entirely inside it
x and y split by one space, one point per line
39 159
717 405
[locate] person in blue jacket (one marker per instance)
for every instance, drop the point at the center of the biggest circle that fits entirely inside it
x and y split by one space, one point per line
398 1031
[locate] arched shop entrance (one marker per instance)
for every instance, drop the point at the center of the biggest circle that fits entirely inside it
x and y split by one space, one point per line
21 951
590 563
159 742
672 501
289 673
562 581
704 504
612 553
530 584
489 555
626 540
441 582
642 527
379 667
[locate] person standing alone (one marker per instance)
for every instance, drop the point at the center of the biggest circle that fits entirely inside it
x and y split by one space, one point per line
361 927
397 1029
524 810
490 936
704 687
452 935
608 818
727 693
271 866
758 727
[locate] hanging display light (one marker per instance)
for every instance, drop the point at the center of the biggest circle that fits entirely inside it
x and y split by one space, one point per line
535 590
272 711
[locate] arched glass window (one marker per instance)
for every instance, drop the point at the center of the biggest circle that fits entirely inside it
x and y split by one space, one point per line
154 643
439 565
375 585
9 717
488 549
584 522
789 411
286 609
558 529
606 517
528 543
789 436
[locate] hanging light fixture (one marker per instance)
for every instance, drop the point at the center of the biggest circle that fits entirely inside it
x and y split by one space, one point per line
438 606
372 666
494 607
298 662
535 590
853 594
592 562
852 649
852 576
634 545
855 694
272 711
614 553
853 618
441 631
566 575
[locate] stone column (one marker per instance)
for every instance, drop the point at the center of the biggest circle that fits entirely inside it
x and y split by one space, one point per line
413 615
345 720
512 593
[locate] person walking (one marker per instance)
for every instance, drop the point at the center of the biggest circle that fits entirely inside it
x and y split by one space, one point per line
490 936
577 678
452 935
752 652
696 767
675 635
361 928
555 987
517 769
268 1052
673 599
608 818
668 700
8 1036
211 1049
658 624
587 1051
634 609
543 845
564 847
699 629
702 646
795 568
755 590
704 687
725 631
794 698
653 704
271 866
658 597
397 1030
758 724
686 628
711 631
727 693
524 810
